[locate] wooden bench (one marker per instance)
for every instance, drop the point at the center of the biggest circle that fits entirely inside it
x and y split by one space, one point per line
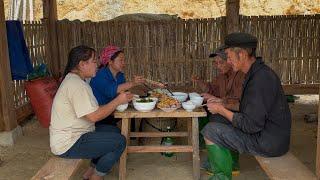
291 89
58 169
285 167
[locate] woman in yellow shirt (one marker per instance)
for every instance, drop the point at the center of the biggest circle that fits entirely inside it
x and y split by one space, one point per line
74 113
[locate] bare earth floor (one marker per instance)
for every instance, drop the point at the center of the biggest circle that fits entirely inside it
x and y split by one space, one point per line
31 151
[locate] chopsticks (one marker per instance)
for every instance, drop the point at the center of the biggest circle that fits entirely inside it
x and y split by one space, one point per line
166 87
148 87
158 83
170 91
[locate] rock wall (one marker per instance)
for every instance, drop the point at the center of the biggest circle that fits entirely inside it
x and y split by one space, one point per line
99 10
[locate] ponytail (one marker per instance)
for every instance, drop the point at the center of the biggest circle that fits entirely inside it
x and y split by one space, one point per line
77 54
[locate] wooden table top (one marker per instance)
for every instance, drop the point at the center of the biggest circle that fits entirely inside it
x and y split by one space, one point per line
132 113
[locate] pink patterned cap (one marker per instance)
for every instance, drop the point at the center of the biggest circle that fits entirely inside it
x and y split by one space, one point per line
107 53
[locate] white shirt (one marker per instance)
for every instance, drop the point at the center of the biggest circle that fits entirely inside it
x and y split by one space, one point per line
74 100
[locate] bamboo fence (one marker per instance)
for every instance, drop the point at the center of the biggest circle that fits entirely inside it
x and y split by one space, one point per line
161 50
173 51
35 34
288 44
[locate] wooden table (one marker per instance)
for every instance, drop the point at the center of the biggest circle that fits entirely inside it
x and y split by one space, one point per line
192 134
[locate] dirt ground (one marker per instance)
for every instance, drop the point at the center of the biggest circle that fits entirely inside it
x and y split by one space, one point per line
31 151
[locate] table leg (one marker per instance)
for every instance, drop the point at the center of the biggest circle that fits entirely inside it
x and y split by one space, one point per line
123 159
318 146
189 129
195 147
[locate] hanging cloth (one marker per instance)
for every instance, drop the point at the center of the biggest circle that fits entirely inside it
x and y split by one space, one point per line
20 63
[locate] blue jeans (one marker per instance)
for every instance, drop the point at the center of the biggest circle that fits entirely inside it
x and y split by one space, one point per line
103 146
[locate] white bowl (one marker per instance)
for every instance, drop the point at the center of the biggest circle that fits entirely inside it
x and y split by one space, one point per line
197 100
180 96
154 99
122 107
194 94
144 106
188 106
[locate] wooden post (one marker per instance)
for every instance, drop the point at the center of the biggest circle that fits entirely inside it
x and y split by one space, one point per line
318 144
50 16
123 159
7 116
195 148
232 16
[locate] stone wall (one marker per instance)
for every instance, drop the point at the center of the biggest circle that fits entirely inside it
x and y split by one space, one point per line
99 10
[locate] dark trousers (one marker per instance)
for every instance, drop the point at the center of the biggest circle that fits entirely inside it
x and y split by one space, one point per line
104 147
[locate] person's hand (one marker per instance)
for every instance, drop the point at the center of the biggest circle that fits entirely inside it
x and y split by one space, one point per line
162 84
207 96
124 97
138 80
215 108
214 99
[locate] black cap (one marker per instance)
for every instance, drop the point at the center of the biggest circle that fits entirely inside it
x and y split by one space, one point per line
219 52
242 40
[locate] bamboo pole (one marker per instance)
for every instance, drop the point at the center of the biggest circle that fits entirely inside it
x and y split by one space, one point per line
232 13
50 17
7 116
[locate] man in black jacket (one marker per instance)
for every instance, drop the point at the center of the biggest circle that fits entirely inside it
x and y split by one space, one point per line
262 125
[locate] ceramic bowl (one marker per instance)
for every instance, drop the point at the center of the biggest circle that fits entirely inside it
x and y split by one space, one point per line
194 94
144 106
197 101
180 96
122 107
188 106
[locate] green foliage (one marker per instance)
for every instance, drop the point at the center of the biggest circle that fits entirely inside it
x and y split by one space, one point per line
39 71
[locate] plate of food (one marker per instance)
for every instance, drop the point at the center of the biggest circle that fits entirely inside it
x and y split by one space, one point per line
168 104
159 93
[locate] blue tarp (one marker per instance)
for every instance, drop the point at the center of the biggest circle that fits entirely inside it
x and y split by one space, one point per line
18 52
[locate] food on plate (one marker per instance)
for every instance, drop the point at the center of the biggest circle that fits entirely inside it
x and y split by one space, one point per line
158 93
168 102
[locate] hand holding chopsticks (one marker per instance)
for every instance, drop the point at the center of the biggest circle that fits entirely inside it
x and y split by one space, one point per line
155 83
